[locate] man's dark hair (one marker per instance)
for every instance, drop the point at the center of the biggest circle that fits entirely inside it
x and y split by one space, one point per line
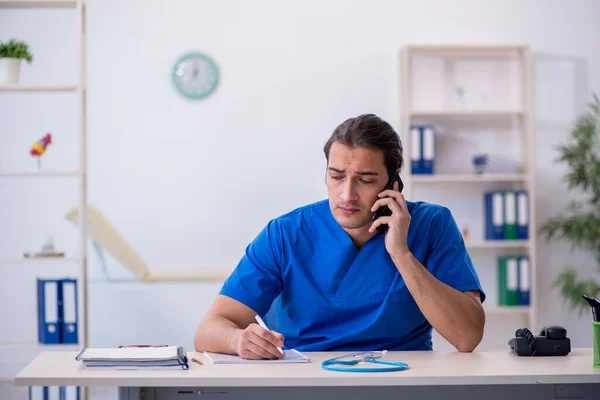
369 131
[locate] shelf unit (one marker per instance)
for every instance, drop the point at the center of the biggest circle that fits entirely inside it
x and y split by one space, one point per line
520 116
77 89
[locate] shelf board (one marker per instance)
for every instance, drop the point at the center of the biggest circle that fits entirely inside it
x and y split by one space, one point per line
40 174
32 4
40 260
40 346
508 310
466 178
498 244
465 115
464 49
39 88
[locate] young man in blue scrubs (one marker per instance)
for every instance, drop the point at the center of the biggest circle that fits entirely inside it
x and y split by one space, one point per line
340 284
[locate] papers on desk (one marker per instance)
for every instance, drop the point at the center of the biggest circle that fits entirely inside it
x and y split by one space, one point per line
166 357
291 356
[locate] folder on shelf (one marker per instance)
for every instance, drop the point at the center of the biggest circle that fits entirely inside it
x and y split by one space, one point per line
69 393
428 141
524 281
48 310
52 393
416 149
522 215
502 280
508 281
510 215
494 215
512 281
68 324
36 393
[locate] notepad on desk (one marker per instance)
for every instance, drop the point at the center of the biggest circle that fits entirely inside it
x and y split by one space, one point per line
291 356
163 357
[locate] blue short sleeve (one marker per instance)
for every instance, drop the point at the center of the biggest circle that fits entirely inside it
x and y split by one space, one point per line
256 280
448 258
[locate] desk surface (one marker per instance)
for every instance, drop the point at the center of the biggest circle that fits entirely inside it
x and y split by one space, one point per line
426 368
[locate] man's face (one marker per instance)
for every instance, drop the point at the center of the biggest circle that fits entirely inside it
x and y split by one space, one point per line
355 176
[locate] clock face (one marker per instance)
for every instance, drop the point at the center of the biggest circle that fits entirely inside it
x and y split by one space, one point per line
195 75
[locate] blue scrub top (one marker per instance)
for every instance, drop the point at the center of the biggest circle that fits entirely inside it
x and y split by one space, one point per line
333 297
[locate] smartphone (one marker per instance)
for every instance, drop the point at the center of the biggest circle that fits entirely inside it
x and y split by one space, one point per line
395 177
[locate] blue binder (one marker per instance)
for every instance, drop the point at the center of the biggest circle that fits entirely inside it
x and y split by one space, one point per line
52 393
48 296
494 215
69 393
68 324
524 280
522 214
416 145
428 149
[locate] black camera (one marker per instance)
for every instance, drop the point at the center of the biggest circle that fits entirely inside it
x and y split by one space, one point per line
552 341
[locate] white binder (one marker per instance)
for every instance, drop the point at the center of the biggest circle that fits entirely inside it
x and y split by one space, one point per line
415 149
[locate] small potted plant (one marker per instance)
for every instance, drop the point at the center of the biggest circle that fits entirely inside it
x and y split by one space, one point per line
11 56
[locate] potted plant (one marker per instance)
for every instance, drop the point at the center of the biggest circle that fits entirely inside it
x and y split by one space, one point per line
12 54
580 224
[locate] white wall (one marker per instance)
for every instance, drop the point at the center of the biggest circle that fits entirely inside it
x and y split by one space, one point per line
189 183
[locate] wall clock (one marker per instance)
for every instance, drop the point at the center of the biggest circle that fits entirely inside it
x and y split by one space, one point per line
195 75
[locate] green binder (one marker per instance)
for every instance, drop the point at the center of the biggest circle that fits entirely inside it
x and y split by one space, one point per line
512 281
510 215
502 292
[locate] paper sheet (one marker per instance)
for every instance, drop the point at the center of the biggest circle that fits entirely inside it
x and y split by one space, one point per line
291 356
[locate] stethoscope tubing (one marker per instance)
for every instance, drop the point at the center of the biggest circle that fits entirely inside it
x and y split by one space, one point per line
393 366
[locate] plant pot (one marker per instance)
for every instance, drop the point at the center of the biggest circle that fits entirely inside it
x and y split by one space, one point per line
10 70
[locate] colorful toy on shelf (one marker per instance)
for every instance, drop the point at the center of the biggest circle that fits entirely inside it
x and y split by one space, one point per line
39 148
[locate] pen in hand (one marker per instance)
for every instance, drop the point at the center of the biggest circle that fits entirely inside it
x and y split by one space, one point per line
264 326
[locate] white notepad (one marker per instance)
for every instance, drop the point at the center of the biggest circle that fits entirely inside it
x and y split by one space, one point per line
291 356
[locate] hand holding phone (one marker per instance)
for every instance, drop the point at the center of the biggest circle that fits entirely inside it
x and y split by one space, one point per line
394 177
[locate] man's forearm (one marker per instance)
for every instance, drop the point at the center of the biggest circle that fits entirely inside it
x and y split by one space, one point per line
454 315
216 334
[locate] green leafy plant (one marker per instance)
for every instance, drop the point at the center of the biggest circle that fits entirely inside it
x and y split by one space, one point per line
16 49
580 224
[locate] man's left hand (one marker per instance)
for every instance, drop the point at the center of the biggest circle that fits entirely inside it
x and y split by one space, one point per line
397 232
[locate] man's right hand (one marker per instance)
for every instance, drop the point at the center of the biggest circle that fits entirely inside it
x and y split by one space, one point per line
257 343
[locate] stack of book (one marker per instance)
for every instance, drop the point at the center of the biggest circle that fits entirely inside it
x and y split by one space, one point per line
135 357
506 215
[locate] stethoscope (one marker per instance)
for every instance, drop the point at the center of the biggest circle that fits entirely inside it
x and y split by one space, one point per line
369 356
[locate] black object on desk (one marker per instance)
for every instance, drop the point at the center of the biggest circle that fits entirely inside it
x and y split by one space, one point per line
551 341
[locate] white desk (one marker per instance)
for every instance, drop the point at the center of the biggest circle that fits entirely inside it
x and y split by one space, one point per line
443 375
